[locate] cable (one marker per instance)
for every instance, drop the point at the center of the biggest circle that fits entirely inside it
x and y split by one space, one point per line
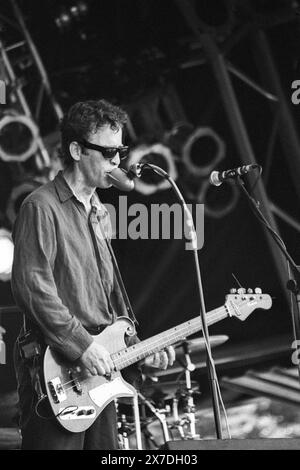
289 261
256 180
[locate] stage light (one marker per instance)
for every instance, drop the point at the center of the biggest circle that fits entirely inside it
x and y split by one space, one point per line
18 137
202 151
6 254
216 17
159 155
63 20
69 17
17 196
199 149
53 146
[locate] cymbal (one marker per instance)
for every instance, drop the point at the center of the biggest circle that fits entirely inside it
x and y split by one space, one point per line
127 400
198 344
168 390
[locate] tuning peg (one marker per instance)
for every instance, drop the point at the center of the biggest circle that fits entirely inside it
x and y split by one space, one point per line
232 291
249 291
241 290
258 290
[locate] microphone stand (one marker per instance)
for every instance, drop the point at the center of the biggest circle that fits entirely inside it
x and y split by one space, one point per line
293 284
213 380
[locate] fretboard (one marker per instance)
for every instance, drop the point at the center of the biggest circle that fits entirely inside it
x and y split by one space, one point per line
139 351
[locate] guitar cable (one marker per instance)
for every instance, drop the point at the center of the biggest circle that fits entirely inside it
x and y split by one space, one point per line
42 396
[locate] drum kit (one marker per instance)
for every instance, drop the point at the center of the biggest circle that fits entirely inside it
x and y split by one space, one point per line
167 409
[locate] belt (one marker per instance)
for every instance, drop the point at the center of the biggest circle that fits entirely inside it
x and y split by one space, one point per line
30 326
95 330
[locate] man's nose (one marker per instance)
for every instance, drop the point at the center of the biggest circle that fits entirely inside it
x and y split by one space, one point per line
115 160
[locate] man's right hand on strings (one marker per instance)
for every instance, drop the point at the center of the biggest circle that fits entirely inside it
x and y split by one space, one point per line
96 359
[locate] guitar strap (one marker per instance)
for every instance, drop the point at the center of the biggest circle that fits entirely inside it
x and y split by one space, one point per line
121 284
116 267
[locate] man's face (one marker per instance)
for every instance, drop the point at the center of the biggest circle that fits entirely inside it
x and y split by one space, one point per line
94 167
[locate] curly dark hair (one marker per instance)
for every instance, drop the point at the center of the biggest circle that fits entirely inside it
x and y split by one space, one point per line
85 118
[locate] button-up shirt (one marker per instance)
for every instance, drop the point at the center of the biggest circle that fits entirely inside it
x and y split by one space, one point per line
63 277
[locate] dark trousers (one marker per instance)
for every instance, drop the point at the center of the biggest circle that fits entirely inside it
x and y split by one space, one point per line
45 433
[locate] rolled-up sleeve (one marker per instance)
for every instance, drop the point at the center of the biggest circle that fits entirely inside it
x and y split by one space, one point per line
33 283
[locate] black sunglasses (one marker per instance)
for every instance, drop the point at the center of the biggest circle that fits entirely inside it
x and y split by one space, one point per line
107 152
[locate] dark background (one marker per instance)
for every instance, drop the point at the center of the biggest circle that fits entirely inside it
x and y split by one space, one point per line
128 51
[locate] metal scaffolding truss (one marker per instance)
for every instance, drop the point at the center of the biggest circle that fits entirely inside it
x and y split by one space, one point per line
283 125
10 54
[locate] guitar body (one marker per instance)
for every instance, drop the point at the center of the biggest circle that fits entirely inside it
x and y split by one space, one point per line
78 398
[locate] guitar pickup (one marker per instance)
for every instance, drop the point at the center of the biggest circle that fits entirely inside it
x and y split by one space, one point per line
57 390
75 383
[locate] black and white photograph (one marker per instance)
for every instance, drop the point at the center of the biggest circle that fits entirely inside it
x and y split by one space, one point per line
149 227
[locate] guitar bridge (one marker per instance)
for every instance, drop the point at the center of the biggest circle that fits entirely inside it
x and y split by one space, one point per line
57 390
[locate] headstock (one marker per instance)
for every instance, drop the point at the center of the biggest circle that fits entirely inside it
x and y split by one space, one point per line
241 302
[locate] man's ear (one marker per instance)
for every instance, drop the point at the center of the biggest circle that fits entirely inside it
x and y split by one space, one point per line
75 151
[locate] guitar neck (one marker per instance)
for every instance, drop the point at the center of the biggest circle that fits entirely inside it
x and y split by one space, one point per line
139 351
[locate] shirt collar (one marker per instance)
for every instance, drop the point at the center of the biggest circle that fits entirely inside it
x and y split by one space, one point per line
63 189
95 202
65 192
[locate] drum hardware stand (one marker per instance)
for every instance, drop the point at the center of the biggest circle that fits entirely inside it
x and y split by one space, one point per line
149 436
160 414
137 423
2 346
188 398
178 422
124 431
190 419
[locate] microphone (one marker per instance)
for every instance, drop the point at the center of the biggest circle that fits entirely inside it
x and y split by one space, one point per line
217 177
122 179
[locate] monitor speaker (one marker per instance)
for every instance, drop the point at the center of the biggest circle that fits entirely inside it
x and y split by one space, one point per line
235 444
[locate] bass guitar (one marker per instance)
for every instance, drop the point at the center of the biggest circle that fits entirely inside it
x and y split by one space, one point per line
77 398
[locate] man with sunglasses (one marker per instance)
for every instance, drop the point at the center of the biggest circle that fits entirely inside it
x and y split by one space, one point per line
64 278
